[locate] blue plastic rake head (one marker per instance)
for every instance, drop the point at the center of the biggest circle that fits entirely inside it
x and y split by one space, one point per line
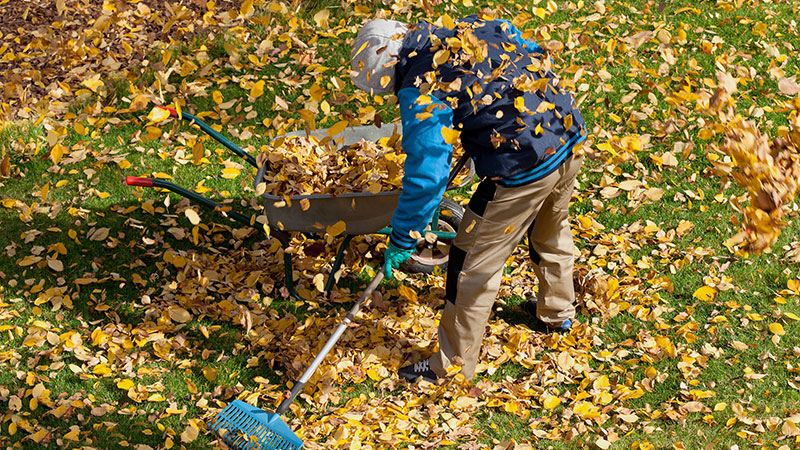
244 427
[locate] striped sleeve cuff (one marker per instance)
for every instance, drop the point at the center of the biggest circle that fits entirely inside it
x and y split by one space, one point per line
405 242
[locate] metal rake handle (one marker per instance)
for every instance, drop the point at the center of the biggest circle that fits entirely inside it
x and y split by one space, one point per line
329 345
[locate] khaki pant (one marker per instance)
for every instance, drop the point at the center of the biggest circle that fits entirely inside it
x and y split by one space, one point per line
495 221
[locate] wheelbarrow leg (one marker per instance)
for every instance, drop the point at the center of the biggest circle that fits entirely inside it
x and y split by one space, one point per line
288 265
337 263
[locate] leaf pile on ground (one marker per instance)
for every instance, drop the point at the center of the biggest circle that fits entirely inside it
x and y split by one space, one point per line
53 52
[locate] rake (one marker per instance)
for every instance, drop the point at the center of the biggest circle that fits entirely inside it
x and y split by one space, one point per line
244 427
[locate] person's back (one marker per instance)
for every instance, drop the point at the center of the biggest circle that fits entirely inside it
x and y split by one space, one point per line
506 102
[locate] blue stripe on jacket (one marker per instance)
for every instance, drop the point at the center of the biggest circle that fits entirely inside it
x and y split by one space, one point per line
545 169
530 46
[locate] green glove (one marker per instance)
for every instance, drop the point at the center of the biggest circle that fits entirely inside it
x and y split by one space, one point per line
393 257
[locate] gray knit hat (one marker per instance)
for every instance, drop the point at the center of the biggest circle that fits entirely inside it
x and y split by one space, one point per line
375 50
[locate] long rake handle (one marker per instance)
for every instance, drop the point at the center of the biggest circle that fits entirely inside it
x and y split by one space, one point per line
329 345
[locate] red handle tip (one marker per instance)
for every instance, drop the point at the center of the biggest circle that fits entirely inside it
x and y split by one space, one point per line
139 181
172 112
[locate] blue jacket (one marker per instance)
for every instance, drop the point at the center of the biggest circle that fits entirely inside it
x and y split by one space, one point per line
487 82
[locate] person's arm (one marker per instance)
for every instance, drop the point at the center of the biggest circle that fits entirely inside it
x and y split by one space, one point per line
426 167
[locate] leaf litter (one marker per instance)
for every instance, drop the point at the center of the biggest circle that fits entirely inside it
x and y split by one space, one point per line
583 387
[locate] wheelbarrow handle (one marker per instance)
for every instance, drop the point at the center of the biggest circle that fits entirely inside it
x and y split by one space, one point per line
139 181
329 345
213 133
154 182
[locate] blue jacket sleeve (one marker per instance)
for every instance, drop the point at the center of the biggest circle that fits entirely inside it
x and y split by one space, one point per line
531 46
426 167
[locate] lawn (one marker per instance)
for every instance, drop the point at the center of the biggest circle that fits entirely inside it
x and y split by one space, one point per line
126 322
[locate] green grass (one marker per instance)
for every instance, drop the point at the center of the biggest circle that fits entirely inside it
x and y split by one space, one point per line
131 262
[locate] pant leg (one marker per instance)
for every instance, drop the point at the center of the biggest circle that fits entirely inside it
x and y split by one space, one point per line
495 221
553 251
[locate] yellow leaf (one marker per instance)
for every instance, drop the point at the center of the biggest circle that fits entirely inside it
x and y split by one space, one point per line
258 89
101 369
705 293
683 227
197 153
602 444
450 135
192 215
568 122
407 292
511 407
153 133
321 18
156 398
582 409
210 373
158 115
601 382
55 264
125 384
441 57
230 173
319 282
374 375
179 314
246 9
217 96
337 128
308 117
791 316
336 229
551 402
776 328
470 226
448 22
93 83
519 103
73 435
38 436
57 153
189 434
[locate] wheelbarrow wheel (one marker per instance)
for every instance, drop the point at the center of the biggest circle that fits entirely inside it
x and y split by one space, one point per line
429 255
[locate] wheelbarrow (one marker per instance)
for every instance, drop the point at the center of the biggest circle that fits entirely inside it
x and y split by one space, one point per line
362 212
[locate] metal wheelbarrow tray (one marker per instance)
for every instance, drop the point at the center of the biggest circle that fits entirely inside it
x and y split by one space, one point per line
362 213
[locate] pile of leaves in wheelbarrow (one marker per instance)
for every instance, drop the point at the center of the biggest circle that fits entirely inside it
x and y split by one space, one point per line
304 166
